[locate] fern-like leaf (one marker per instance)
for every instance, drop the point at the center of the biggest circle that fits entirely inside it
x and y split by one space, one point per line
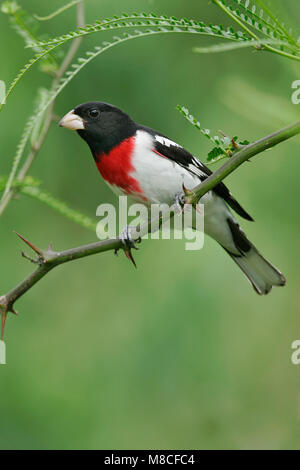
224 147
22 72
26 26
256 17
170 26
32 126
148 21
248 15
264 15
206 132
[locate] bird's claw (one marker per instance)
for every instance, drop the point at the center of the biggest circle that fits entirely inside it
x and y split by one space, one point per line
127 239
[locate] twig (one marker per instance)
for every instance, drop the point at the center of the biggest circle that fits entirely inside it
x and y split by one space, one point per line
36 146
48 259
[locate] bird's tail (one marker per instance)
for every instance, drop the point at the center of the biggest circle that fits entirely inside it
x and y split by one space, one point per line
262 274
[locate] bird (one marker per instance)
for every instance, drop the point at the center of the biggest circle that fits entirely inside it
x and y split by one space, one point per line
140 162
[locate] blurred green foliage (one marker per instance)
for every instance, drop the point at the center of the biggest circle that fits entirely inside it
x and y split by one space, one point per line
180 353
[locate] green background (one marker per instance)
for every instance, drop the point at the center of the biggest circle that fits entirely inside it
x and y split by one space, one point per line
180 353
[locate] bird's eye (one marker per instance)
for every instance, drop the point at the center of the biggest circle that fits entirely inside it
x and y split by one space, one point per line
94 113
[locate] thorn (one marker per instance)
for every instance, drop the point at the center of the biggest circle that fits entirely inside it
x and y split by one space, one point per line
50 246
188 197
3 320
12 310
235 145
128 244
197 209
33 247
185 190
128 255
223 134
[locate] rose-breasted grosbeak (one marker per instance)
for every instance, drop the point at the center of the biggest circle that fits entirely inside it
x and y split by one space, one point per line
138 161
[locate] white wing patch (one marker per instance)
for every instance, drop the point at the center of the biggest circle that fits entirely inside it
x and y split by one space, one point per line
195 168
165 141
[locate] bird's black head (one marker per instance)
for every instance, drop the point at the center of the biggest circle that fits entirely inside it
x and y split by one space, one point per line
101 125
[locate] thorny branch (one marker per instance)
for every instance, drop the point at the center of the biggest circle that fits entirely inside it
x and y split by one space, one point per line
46 260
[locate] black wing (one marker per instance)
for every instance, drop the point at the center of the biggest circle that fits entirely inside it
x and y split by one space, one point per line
182 157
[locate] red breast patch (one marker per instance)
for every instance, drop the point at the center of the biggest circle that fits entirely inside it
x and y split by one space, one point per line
116 167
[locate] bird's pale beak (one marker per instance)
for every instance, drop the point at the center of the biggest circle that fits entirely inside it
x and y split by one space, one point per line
72 121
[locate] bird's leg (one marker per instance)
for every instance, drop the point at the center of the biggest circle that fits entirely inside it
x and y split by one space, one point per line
180 201
127 239
129 243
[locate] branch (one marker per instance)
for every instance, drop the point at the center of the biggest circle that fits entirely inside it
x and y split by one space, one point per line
46 260
241 156
36 146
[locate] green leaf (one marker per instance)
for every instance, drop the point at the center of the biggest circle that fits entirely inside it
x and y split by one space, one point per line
26 26
214 153
142 20
206 132
181 26
250 19
32 125
274 22
224 147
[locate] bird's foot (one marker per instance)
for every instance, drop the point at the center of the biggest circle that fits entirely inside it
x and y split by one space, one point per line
180 201
129 243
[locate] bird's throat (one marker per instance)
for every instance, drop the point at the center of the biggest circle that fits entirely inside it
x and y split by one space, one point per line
116 167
